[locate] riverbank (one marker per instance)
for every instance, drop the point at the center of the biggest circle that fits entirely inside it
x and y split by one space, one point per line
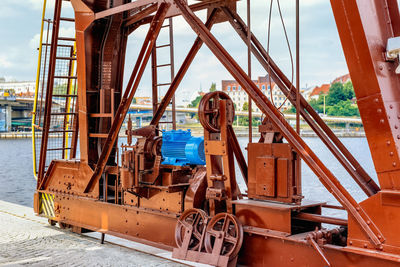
240 132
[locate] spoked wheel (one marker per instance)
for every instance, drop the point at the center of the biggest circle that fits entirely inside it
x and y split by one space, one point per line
209 111
224 227
192 220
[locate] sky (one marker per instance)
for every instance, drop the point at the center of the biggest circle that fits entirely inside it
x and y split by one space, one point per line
321 55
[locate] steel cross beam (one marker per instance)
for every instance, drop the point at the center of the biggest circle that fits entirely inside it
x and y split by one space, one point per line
133 84
360 176
364 29
325 176
181 73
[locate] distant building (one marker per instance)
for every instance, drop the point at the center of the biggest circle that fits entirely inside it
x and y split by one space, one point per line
342 79
143 100
324 89
21 89
320 90
239 96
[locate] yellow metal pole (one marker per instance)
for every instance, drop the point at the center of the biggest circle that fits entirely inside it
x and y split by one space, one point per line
37 90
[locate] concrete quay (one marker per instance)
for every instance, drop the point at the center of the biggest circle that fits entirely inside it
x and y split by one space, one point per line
26 239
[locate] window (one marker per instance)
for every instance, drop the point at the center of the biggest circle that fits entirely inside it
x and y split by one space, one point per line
234 88
229 88
269 87
263 87
240 88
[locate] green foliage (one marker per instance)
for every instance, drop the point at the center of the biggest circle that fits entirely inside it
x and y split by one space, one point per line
338 102
343 108
213 87
245 106
134 100
195 102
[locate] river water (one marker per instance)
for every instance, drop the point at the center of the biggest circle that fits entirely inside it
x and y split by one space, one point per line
17 183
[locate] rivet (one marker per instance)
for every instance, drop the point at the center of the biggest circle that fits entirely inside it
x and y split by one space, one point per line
391 106
391 153
379 236
357 208
380 67
388 143
351 242
365 245
379 110
382 121
376 100
398 116
394 164
368 222
396 127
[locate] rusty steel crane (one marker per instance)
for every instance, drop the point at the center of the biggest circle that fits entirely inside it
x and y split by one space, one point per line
179 192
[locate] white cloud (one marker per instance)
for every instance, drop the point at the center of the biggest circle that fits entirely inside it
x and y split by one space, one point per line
5 62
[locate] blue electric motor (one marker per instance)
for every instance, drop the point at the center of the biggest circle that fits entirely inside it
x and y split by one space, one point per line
180 148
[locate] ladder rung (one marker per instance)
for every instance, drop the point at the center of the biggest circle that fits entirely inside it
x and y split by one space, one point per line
64 77
65 96
62 131
63 113
67 19
163 65
98 135
161 46
61 45
66 39
66 58
101 115
164 26
166 122
163 84
55 149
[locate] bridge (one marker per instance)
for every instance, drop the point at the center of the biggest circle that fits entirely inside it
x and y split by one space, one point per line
346 120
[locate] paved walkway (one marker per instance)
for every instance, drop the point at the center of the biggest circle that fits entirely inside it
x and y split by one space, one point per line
26 239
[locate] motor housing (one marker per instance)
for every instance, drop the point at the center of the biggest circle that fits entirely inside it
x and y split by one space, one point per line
180 148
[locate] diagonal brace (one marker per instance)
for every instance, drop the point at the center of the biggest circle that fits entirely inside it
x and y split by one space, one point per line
182 71
325 176
366 183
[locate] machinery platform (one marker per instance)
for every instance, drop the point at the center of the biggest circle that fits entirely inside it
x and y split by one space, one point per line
26 239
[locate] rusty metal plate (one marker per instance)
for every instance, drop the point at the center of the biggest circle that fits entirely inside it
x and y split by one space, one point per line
212 147
265 176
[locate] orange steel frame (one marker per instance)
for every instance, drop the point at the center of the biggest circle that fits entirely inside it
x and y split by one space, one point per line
364 27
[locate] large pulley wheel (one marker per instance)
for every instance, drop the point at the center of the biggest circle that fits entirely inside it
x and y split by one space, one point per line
192 222
224 228
209 113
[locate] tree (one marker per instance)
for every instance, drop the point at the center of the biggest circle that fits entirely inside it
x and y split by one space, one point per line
195 102
245 106
134 100
348 90
213 87
336 94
